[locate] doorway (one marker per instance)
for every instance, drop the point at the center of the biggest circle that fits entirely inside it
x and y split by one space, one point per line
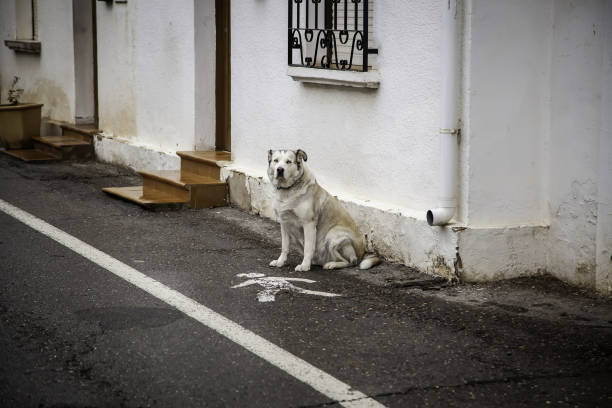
222 76
85 50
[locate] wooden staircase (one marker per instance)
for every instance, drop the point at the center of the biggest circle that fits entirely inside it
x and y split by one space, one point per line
197 184
75 143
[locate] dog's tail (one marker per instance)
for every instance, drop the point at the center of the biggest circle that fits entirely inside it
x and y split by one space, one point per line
369 260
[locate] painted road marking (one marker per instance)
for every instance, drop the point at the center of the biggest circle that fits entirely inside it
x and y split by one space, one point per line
273 285
292 365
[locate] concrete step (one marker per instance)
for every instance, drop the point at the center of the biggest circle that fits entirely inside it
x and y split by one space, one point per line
65 147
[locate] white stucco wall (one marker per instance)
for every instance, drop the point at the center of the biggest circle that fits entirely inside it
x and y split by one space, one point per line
535 149
537 146
146 73
368 144
506 124
604 212
46 78
580 140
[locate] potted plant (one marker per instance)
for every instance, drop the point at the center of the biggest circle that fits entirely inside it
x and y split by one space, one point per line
19 122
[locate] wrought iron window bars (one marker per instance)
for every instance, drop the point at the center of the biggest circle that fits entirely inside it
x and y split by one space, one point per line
317 45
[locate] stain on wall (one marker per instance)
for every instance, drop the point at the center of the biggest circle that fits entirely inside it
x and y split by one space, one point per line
57 105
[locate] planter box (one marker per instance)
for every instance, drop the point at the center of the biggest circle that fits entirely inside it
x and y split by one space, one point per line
18 124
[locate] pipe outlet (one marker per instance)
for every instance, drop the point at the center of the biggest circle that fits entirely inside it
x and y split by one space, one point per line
449 120
440 215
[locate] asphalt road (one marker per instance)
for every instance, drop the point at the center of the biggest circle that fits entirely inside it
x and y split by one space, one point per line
72 334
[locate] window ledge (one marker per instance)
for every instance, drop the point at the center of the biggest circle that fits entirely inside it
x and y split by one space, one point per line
28 46
370 79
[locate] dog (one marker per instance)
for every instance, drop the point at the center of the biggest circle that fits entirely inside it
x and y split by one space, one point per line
311 219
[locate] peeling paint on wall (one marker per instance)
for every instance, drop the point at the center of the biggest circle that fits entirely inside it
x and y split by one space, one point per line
573 234
439 267
239 191
502 253
117 151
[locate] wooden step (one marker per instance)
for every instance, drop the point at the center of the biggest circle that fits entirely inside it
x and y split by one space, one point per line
83 132
200 191
197 183
162 182
204 163
65 147
152 201
83 129
178 178
31 155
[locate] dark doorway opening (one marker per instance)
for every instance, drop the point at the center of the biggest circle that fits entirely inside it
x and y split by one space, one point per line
85 62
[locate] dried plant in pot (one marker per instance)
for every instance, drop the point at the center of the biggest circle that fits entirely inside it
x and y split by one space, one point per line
19 122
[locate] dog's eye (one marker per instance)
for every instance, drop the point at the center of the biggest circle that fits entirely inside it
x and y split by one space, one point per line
288 161
275 160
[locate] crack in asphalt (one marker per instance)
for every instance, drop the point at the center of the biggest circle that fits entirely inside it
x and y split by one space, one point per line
467 383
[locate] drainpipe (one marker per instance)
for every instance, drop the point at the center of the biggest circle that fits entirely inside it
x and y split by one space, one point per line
449 149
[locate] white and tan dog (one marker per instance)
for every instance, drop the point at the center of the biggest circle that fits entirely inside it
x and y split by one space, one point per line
311 219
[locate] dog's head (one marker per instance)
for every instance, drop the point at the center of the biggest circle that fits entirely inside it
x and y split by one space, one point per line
285 167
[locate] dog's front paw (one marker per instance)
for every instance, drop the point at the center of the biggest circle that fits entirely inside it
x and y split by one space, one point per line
302 268
278 263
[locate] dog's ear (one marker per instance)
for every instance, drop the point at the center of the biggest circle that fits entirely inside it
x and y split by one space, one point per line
301 155
270 156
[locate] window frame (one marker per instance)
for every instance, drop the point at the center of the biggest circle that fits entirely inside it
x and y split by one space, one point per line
336 33
26 21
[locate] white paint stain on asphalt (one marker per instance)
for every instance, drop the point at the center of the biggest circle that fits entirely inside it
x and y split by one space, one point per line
319 380
273 285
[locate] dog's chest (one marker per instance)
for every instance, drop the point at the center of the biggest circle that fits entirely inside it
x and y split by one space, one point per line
288 216
294 211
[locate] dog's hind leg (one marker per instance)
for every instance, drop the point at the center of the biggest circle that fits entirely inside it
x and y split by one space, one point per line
344 256
310 240
336 265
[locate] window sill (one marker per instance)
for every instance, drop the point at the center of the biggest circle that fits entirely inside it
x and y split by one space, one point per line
27 46
370 79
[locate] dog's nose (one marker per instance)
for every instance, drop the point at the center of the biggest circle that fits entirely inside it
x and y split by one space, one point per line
280 171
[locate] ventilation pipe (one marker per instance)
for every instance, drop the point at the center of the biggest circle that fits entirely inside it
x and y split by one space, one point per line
449 149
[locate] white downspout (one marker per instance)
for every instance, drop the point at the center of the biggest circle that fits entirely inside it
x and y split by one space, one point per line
449 149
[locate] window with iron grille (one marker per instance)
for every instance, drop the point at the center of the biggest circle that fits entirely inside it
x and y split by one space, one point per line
331 34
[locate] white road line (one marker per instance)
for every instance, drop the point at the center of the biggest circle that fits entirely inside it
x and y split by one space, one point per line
292 365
